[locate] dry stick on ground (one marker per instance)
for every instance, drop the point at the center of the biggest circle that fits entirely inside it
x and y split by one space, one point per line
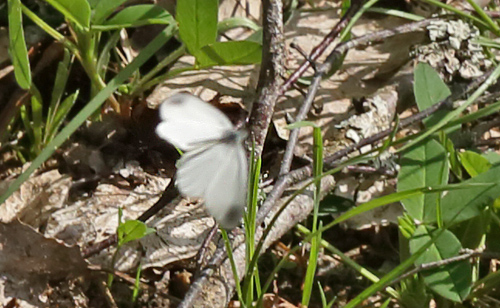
466 254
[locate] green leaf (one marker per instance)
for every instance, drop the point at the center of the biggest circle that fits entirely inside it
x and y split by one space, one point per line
301 124
401 195
424 165
17 45
230 53
139 15
103 9
453 159
197 23
429 89
94 3
492 157
132 230
474 163
62 75
236 22
465 204
60 115
78 11
452 281
37 116
333 205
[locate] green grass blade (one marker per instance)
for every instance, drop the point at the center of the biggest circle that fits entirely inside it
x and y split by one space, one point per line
60 115
90 108
17 45
316 240
78 11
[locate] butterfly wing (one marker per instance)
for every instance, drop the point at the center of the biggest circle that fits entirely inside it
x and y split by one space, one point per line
188 122
218 174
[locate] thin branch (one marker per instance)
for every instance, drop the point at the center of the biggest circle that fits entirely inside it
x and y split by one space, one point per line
320 49
466 255
272 67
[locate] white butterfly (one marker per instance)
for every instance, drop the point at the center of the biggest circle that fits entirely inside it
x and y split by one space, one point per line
214 165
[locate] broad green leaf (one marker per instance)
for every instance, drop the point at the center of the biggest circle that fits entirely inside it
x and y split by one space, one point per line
139 15
473 231
452 281
132 230
197 23
424 165
103 9
429 89
474 163
230 53
78 11
94 3
17 45
492 157
465 204
448 117
402 195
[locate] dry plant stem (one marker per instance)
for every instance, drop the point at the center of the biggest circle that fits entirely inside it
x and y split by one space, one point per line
301 115
320 49
272 68
467 254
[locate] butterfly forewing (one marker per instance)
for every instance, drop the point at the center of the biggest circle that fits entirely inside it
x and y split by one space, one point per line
188 122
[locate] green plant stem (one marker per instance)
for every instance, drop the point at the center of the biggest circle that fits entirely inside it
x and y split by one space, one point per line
144 82
230 256
479 11
395 13
51 31
346 260
456 11
346 32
